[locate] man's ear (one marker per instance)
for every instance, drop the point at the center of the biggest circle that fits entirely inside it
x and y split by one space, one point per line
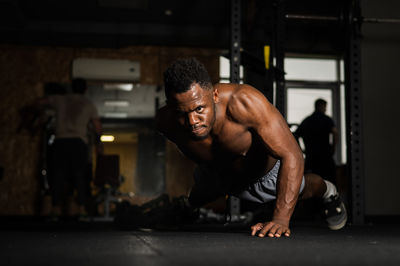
216 95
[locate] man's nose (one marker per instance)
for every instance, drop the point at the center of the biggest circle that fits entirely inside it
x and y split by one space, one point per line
192 119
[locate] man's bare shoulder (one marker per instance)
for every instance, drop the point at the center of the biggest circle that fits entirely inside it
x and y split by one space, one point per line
247 104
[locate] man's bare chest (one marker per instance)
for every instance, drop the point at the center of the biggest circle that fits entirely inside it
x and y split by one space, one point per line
230 144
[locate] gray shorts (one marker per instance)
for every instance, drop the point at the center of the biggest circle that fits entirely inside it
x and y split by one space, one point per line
264 189
209 186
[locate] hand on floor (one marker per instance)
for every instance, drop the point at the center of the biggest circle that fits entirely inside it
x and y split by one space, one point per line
271 229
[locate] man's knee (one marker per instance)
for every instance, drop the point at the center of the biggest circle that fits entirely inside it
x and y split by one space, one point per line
314 186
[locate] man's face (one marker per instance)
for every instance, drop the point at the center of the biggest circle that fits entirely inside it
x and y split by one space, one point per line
322 108
195 110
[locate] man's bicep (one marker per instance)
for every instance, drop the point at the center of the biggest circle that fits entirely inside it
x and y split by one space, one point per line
277 136
251 108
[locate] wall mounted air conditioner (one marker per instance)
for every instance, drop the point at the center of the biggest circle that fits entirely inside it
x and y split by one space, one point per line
106 69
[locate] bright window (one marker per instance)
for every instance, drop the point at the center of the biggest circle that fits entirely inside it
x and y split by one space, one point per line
308 79
224 70
301 102
311 69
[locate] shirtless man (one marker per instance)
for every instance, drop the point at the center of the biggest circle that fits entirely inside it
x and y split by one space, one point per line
242 146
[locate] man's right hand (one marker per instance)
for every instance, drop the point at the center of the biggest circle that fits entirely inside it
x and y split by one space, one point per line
270 229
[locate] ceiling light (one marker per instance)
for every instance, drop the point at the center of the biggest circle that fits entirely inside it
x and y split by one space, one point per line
116 103
115 115
107 138
121 87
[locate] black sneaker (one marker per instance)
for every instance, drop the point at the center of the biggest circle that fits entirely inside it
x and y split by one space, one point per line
335 212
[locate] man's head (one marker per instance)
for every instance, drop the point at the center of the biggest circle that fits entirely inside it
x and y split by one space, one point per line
191 95
320 105
183 73
79 86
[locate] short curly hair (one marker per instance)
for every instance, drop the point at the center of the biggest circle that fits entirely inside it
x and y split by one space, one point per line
183 73
319 103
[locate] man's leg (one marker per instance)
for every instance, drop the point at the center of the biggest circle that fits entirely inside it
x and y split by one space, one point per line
79 161
59 169
333 208
314 187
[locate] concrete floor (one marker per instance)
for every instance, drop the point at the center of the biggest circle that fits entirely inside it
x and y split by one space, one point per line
94 244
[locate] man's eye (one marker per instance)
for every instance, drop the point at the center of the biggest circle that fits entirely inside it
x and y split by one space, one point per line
199 109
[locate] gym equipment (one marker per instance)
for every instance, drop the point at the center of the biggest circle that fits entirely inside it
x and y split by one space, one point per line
159 213
340 18
234 203
108 179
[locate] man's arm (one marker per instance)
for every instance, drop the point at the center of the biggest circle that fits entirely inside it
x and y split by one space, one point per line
97 126
98 130
251 108
334 132
33 115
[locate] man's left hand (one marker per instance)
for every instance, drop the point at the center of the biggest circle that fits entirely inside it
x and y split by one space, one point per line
271 229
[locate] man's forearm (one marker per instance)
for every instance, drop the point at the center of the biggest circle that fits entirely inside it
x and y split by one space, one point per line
288 187
334 139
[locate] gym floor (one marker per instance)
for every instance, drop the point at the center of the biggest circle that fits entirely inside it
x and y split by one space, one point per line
71 243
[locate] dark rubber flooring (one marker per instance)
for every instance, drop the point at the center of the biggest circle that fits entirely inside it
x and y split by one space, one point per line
94 244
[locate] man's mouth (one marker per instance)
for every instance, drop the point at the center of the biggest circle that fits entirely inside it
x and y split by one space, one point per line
198 130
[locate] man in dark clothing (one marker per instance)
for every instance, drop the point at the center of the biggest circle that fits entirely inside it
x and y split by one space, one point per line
315 130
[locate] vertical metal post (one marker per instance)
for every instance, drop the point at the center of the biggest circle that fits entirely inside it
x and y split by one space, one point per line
234 203
354 115
269 36
235 41
336 108
279 55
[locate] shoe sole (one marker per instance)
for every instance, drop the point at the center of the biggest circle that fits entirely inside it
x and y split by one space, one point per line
341 224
